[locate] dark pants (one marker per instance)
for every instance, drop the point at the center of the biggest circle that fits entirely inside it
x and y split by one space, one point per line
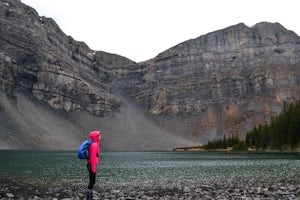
92 177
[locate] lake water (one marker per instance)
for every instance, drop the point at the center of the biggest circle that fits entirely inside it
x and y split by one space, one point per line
148 167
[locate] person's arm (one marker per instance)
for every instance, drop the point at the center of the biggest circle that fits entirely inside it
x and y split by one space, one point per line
93 156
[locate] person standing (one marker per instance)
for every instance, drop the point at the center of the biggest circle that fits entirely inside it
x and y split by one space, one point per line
94 151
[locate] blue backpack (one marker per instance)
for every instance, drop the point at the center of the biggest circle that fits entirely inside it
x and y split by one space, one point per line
83 151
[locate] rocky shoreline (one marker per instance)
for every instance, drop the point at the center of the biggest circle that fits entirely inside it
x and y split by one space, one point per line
238 189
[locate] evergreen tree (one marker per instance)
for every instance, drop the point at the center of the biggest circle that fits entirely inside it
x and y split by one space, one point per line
283 131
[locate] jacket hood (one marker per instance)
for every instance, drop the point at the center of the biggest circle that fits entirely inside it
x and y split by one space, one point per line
94 136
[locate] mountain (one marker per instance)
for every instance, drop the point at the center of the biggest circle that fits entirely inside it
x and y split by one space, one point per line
54 90
224 82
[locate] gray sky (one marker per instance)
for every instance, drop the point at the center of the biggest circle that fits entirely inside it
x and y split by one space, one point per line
141 29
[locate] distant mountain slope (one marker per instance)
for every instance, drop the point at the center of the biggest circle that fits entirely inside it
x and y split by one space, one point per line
222 83
53 89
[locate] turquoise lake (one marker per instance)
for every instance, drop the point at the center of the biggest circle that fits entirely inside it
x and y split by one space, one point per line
148 167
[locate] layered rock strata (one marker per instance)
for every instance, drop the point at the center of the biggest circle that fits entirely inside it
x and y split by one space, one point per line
54 89
54 67
222 83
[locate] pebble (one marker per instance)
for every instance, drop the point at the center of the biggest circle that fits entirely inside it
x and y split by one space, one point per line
10 195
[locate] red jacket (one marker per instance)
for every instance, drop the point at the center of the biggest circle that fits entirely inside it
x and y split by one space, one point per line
94 150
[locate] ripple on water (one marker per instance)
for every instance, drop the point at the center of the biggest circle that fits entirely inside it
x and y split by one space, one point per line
150 167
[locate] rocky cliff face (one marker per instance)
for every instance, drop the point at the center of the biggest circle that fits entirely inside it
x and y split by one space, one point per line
224 82
55 68
55 89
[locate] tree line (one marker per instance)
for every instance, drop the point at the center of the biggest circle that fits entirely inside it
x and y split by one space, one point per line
283 132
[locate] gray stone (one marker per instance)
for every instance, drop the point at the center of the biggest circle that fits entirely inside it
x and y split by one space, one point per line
10 195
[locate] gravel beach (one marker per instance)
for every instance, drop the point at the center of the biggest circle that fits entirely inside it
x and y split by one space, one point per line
233 189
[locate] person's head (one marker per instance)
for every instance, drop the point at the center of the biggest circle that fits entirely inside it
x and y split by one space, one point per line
95 136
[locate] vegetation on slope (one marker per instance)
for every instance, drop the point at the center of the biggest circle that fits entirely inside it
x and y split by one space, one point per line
282 133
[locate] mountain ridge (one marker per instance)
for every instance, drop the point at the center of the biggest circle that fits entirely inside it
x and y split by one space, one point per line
221 83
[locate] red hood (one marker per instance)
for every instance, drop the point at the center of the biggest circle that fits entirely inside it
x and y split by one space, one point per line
94 136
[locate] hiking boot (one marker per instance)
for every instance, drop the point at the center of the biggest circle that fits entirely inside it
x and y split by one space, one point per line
89 195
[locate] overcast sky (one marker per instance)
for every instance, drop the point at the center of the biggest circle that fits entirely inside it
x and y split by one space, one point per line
141 29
